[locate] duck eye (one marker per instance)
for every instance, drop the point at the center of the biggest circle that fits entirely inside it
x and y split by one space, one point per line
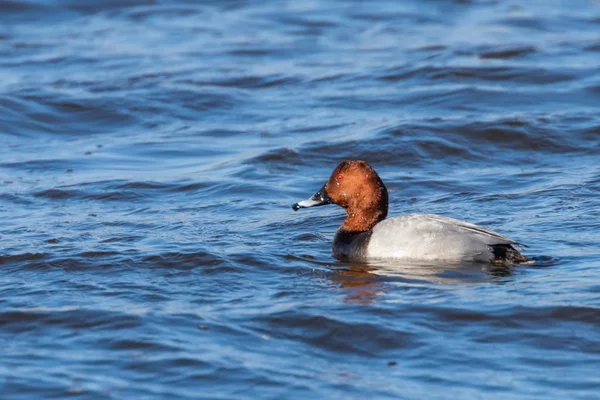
340 177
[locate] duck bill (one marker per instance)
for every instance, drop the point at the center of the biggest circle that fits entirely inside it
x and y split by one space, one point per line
320 198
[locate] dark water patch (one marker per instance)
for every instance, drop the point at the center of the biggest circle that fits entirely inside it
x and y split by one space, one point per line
220 133
459 100
15 199
594 89
150 10
337 336
20 321
307 22
118 190
92 8
145 186
431 48
239 188
12 10
315 261
192 187
197 101
535 76
540 317
523 134
532 139
98 254
56 194
527 23
245 82
307 237
116 196
63 194
593 47
253 260
393 151
141 345
507 53
320 128
335 77
51 114
254 52
426 147
209 262
285 158
44 166
18 258
401 145
82 263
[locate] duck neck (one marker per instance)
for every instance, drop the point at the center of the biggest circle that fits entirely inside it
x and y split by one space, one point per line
362 220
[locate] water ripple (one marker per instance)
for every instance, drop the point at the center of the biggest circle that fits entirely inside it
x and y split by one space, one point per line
151 152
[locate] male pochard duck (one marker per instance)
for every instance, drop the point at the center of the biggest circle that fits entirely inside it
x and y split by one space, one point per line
366 235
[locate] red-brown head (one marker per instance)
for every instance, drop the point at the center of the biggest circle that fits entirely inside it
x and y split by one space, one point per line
356 187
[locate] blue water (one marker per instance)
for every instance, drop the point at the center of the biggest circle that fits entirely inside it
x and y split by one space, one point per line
151 150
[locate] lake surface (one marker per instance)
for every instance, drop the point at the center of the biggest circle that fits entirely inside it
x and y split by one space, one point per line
151 151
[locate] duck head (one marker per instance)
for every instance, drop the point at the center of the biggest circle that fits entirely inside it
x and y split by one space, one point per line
355 186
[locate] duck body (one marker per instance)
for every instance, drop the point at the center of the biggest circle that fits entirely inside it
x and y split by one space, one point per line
425 238
366 235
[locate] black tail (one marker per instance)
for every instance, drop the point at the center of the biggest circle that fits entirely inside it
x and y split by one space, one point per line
507 254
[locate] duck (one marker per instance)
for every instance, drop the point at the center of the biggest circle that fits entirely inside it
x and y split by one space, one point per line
366 235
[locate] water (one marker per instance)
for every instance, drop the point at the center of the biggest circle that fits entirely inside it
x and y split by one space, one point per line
151 152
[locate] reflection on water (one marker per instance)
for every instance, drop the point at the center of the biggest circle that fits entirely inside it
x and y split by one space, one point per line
366 281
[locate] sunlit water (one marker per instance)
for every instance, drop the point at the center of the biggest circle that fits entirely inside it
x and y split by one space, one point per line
151 152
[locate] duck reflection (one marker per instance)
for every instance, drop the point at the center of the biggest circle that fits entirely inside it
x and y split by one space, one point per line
362 284
365 282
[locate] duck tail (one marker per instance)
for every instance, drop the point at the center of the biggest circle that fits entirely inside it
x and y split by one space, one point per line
507 254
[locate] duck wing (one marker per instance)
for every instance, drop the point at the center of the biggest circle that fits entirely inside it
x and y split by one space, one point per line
494 238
